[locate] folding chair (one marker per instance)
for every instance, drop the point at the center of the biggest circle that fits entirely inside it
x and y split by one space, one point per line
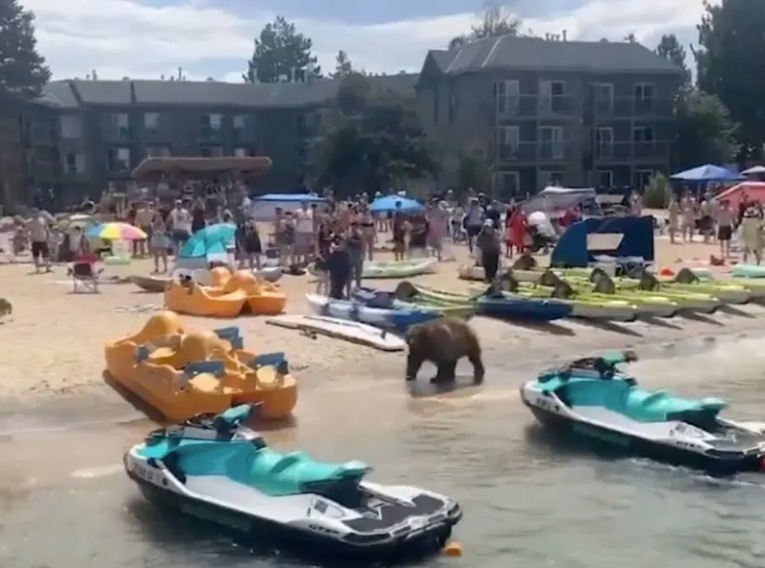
84 273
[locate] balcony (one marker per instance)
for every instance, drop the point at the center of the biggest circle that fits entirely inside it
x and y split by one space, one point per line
533 152
535 105
629 107
43 134
652 151
113 133
210 133
613 151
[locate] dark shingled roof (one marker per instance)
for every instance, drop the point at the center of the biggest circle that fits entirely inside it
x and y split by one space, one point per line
508 52
210 93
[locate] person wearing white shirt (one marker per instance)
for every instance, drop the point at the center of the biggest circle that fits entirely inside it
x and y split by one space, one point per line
180 222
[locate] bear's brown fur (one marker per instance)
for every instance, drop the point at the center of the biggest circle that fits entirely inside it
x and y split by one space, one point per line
443 342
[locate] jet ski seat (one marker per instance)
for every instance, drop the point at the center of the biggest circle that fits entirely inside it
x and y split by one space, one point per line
279 474
660 406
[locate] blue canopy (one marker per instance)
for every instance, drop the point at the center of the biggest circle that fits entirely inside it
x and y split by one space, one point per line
299 197
708 172
389 202
212 240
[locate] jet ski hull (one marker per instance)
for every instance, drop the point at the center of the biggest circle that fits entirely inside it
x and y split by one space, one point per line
557 417
316 542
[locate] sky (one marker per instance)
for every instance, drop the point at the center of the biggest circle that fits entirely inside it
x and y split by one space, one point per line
146 39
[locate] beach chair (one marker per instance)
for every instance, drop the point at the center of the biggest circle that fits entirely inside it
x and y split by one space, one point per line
85 274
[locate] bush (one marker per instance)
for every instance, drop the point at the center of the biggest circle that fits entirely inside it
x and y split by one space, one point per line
658 193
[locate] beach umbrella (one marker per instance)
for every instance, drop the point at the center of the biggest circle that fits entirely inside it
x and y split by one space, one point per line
390 202
708 173
213 239
117 232
754 170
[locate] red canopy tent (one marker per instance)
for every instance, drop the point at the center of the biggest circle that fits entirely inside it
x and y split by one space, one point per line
754 190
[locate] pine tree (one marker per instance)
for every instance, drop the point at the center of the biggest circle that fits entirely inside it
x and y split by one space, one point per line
22 69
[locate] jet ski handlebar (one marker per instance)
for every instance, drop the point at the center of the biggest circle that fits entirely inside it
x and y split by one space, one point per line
605 365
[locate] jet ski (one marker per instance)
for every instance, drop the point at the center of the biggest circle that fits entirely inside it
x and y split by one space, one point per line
592 398
218 470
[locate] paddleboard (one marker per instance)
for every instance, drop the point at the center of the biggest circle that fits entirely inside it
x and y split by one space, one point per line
355 332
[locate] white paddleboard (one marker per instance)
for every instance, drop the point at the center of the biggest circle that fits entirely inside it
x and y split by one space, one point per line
355 332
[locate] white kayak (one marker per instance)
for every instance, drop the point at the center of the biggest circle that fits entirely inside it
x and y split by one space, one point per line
353 331
399 268
398 319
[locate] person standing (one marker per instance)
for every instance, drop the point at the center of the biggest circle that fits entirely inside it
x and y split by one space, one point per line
487 242
39 233
159 241
473 220
180 223
674 218
248 244
725 219
354 244
398 224
339 269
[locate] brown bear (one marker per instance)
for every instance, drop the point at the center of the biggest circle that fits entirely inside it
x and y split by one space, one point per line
443 342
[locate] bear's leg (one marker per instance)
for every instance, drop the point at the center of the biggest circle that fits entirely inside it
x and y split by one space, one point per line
413 364
447 372
478 369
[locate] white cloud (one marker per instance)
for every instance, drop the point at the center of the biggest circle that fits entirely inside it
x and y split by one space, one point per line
121 38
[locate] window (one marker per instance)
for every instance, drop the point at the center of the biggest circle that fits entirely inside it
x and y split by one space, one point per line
604 178
552 146
641 179
74 163
121 120
212 152
157 152
603 97
643 134
151 120
71 127
604 141
547 178
508 95
508 142
643 97
241 152
551 95
507 184
239 121
212 121
118 159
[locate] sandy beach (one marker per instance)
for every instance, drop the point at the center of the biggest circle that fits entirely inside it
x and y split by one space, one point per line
53 343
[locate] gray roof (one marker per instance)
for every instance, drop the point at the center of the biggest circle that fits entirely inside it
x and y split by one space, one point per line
208 93
508 52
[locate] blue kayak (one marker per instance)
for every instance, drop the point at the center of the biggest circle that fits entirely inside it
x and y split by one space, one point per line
385 318
522 308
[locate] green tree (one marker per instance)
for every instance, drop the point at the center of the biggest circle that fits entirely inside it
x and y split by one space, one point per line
371 141
630 38
730 64
281 52
493 21
23 72
343 65
704 131
670 49
471 170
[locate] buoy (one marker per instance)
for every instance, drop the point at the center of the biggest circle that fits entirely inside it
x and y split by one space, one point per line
667 272
453 549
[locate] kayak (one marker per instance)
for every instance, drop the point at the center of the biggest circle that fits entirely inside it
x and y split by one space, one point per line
374 298
748 271
394 319
583 308
502 307
626 289
399 268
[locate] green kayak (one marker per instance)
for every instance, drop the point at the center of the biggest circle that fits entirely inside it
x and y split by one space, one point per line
464 311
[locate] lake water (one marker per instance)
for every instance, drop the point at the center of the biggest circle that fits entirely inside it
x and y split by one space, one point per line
65 502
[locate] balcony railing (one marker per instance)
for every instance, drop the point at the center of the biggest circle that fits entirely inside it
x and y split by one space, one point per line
534 152
624 107
209 132
628 151
536 105
115 133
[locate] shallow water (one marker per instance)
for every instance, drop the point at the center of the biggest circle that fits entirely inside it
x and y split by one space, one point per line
65 502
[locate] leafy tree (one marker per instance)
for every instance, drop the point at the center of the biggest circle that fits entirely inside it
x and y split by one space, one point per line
371 143
704 132
472 169
343 65
23 72
671 49
630 38
730 64
280 51
493 21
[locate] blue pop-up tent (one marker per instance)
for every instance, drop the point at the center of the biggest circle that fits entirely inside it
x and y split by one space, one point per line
625 239
707 173
263 207
207 245
395 203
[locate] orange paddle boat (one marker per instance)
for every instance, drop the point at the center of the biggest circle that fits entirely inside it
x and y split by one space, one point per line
182 374
229 296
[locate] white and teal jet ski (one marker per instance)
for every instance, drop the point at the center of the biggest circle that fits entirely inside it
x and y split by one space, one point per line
218 470
592 398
